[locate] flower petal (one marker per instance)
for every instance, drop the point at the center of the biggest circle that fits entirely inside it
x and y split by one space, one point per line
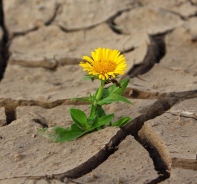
87 58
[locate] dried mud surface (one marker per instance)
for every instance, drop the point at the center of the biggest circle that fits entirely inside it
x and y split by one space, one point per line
41 45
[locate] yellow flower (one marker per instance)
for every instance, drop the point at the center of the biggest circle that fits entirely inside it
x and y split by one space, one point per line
105 63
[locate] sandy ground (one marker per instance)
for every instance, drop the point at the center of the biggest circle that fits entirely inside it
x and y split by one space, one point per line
47 40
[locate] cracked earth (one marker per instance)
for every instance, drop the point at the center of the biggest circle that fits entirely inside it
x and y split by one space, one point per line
41 45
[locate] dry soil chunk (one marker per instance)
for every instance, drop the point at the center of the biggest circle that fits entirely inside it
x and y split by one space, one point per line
2 116
50 45
177 128
137 55
79 14
25 155
162 79
57 116
129 164
29 181
190 27
181 50
30 14
194 1
44 86
149 20
183 8
179 175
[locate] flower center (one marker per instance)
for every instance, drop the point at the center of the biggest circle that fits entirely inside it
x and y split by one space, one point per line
103 67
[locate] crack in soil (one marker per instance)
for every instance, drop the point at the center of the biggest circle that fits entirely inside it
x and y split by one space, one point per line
157 151
135 93
155 52
179 14
190 164
47 23
11 105
46 105
129 93
10 112
176 13
132 93
111 23
41 122
160 166
54 15
4 43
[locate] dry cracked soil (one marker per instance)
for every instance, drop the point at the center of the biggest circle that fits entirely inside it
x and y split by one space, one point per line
41 45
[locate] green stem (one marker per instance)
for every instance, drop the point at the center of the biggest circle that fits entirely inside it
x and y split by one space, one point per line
100 90
98 96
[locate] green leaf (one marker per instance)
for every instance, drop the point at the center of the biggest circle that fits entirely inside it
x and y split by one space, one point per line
79 117
60 134
100 111
102 121
48 133
65 135
115 89
113 97
121 122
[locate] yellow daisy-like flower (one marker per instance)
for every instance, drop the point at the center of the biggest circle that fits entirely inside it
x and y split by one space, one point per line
105 63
